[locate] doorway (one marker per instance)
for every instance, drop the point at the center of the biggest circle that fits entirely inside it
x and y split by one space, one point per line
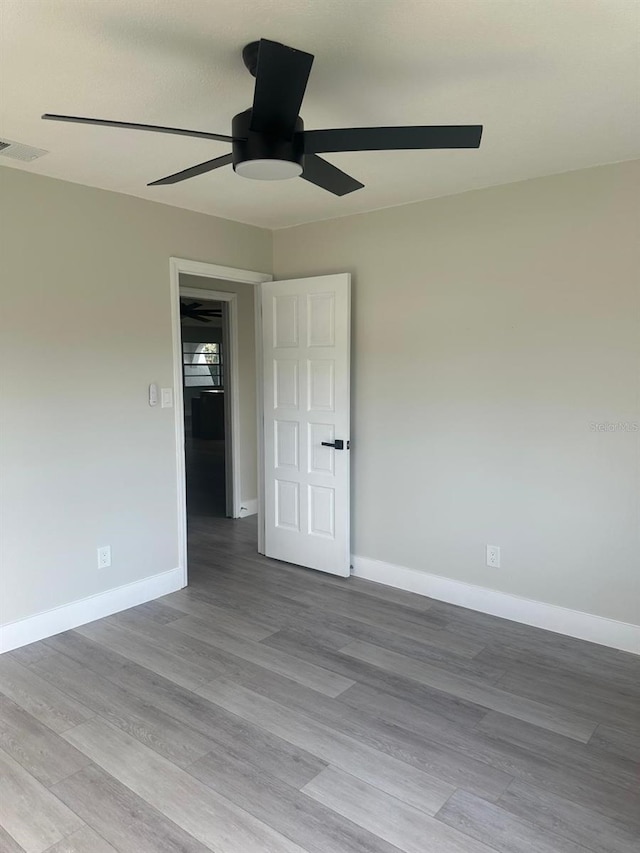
239 453
206 395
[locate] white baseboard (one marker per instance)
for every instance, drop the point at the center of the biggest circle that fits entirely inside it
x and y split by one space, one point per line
43 625
248 508
562 620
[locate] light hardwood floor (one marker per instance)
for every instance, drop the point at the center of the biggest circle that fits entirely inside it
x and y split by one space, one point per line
270 709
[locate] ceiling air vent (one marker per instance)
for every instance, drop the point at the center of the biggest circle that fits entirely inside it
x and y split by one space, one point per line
18 151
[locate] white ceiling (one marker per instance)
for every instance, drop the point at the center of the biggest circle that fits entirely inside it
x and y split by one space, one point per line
555 83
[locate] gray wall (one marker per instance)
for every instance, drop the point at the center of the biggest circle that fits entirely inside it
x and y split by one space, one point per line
247 376
491 331
84 461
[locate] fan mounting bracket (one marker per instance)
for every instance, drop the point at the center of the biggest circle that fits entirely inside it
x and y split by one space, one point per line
250 57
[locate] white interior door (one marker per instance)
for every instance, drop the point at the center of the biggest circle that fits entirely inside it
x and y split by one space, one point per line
306 356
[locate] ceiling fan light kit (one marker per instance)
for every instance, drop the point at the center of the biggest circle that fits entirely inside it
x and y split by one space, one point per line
269 142
266 156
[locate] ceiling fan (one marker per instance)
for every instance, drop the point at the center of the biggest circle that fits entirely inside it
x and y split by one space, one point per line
196 311
269 142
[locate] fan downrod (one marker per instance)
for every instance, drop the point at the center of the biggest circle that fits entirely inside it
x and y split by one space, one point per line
250 57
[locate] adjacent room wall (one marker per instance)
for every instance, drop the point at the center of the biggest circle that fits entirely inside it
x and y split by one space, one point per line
247 376
84 460
496 383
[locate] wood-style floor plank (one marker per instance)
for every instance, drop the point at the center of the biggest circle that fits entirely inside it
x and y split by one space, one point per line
42 752
577 823
8 844
398 619
579 695
83 841
550 717
373 730
315 677
120 816
402 825
210 818
606 783
523 645
404 621
151 726
248 741
306 635
614 769
413 710
226 620
38 697
28 654
156 610
547 761
147 653
29 812
413 786
250 629
500 829
363 673
314 827
616 741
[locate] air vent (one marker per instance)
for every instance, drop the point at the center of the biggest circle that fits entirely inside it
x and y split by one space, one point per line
18 151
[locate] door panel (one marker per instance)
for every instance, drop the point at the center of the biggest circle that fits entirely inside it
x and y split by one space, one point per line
306 357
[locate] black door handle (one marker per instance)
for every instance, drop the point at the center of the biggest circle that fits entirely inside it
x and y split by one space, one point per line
338 444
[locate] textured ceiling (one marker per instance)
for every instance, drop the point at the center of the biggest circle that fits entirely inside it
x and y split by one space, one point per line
555 83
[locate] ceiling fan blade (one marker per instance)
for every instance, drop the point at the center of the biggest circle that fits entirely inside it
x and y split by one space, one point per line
179 131
323 174
281 80
392 138
200 169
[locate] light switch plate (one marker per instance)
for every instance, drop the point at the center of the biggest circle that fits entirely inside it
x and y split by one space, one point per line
167 398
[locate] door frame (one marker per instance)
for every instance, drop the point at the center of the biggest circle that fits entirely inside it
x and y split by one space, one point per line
183 266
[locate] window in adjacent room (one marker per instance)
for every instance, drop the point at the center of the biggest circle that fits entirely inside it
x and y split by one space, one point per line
202 365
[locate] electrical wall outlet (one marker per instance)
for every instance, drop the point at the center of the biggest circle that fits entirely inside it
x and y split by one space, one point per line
493 556
104 556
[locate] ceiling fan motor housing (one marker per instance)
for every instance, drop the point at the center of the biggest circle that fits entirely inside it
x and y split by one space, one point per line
266 155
